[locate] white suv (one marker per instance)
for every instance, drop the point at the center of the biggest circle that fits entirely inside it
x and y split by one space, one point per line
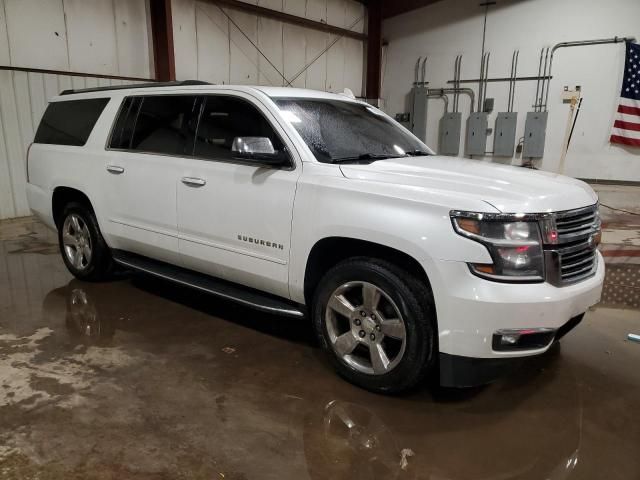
300 202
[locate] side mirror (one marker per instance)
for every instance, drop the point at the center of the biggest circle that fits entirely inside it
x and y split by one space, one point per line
258 149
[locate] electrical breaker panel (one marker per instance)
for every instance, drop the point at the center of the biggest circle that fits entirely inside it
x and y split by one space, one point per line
476 142
504 137
535 130
449 136
419 113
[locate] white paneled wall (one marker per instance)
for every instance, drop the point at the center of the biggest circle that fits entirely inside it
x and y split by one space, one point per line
107 37
446 29
23 99
219 45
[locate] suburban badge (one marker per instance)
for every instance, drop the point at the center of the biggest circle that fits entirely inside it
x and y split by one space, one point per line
259 241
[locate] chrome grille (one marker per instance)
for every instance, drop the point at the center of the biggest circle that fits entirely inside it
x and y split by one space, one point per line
573 257
574 225
577 262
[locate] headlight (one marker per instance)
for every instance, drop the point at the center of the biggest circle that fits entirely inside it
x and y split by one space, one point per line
513 242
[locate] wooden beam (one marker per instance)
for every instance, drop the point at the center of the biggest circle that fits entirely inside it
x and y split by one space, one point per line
287 18
162 33
374 49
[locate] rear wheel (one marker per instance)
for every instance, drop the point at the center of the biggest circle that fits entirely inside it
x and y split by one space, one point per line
83 249
376 323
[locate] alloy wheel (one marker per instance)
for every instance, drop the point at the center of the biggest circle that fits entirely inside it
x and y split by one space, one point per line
76 241
365 327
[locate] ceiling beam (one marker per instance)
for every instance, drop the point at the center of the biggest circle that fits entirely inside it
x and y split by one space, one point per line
391 8
288 18
374 50
162 35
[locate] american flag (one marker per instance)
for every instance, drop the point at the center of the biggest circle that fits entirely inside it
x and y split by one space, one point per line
626 128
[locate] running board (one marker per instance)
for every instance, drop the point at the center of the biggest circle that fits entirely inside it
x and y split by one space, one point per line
220 288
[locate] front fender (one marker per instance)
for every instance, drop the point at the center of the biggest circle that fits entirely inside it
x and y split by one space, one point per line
329 205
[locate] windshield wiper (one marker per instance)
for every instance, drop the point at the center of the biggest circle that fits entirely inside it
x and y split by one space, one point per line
417 153
365 156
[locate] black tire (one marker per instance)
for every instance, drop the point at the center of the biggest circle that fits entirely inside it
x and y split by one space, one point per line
100 267
413 299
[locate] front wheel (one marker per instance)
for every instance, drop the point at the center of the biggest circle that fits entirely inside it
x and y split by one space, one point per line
83 249
376 323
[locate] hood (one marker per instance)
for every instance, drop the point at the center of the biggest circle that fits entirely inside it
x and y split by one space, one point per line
507 188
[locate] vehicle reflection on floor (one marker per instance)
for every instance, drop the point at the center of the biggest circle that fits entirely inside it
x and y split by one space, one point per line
83 319
357 434
528 428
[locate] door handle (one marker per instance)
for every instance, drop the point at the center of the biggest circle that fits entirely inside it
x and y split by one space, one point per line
194 182
115 169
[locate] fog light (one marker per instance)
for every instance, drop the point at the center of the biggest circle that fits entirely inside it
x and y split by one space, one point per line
509 339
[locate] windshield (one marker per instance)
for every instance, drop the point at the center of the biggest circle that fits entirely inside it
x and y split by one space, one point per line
341 131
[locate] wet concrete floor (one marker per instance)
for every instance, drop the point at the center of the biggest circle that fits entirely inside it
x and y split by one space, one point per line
139 379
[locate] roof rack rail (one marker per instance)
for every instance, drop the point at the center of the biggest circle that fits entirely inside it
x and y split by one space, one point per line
183 83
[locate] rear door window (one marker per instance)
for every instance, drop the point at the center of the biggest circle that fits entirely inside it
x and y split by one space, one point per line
69 122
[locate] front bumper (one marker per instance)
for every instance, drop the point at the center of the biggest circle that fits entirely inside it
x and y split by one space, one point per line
470 310
458 371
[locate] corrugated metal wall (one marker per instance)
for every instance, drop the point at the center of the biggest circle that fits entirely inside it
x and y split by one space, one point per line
104 37
23 99
110 37
219 44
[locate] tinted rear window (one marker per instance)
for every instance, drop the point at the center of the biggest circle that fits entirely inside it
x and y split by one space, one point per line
69 122
123 129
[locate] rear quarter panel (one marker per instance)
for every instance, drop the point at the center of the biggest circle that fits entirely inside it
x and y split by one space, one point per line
78 167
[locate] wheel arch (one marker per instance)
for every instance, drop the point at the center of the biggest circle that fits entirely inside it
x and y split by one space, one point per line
63 195
329 251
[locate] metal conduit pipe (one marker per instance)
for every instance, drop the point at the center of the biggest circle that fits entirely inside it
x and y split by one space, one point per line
512 80
456 80
466 91
444 98
416 77
544 82
420 74
486 80
580 43
535 106
424 71
481 81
